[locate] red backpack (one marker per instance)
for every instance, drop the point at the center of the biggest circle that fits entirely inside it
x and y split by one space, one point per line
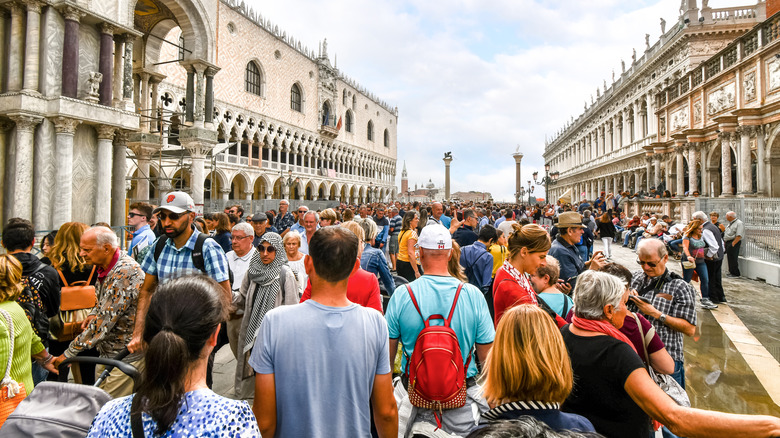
437 375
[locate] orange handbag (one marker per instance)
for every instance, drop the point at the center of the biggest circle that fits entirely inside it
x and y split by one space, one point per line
11 392
76 301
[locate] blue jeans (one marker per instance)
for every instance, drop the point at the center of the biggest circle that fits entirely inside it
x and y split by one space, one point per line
704 278
39 373
679 373
675 245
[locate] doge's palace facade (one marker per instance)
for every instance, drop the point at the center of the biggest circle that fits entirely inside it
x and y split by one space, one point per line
637 135
102 102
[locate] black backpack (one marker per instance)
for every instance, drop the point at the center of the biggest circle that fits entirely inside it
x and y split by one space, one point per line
197 253
31 303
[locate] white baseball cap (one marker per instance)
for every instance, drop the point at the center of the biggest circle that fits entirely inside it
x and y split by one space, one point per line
177 202
435 236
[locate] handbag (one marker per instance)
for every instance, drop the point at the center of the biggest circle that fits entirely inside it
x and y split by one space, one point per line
12 392
76 301
665 381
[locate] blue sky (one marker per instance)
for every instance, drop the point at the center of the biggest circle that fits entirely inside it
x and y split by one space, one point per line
477 77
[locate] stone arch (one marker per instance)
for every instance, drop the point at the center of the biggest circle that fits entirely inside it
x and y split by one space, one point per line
238 185
180 180
310 192
192 18
334 192
214 181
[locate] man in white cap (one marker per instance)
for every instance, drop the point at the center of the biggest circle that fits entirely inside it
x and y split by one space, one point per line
181 250
435 293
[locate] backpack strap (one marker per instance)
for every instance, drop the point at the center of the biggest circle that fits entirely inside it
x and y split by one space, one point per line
454 302
64 281
197 253
414 301
158 247
89 280
136 422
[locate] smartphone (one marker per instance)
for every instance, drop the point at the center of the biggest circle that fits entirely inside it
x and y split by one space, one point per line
568 280
639 297
459 215
598 253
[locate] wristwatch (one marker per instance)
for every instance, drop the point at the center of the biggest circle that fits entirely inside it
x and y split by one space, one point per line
662 318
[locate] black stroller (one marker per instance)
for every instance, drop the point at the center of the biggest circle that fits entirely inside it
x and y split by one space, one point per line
63 410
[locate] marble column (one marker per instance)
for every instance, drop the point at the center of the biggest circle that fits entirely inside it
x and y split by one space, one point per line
225 195
725 150
200 91
127 74
626 177
119 70
22 198
693 181
744 168
16 51
447 162
209 110
518 156
657 174
118 181
70 52
103 173
63 172
144 103
32 48
142 176
154 114
761 175
189 111
637 184
679 178
105 64
648 175
4 171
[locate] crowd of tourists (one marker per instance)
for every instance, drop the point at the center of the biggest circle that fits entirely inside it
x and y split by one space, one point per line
388 320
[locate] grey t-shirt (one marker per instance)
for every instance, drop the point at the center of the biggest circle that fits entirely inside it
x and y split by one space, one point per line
324 360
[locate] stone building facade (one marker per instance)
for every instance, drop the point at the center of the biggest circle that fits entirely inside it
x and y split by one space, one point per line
106 102
695 114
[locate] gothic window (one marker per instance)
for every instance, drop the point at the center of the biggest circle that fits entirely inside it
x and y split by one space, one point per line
181 48
354 102
295 98
344 97
348 123
387 139
370 131
254 79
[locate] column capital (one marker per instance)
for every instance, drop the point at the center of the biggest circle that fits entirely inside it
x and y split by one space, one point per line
71 13
122 136
225 191
107 28
33 5
211 71
16 8
65 125
106 132
26 122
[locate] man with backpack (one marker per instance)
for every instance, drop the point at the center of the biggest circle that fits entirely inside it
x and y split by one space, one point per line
182 250
477 262
40 297
411 318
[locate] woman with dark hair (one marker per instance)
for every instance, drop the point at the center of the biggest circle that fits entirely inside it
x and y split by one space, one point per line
222 231
182 325
606 230
46 243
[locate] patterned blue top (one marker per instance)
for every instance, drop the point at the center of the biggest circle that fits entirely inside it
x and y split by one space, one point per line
284 222
177 262
203 414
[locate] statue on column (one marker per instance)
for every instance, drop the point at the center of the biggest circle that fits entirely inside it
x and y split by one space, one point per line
663 26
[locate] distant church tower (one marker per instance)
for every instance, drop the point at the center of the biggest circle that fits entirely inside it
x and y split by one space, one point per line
404 180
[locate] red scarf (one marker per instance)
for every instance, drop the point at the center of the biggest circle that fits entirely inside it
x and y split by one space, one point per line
601 327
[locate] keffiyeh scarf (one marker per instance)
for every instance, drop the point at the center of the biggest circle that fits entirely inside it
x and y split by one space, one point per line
268 286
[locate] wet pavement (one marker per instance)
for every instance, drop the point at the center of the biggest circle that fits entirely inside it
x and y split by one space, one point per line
730 370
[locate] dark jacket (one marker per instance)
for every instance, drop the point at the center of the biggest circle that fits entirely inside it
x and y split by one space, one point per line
465 236
46 280
606 229
569 259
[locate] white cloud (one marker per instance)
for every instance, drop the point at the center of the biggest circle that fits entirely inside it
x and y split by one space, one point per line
477 78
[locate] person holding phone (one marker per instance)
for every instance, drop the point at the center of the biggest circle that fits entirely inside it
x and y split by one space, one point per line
570 229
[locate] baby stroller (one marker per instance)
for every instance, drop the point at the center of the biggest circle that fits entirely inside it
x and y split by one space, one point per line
64 410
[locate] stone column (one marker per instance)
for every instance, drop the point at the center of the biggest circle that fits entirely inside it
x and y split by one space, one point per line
154 115
189 111
3 61
32 49
626 177
127 73
144 103
680 180
693 181
22 198
4 127
16 52
103 173
637 184
518 175
63 171
761 177
143 158
70 52
119 70
209 110
225 194
657 174
744 168
725 151
447 161
648 174
200 91
105 64
118 181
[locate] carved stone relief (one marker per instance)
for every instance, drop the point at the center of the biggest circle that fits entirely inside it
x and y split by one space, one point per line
679 119
662 125
707 47
774 74
697 112
749 86
89 48
721 99
84 159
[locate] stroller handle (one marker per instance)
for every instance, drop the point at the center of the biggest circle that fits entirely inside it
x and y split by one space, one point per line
110 364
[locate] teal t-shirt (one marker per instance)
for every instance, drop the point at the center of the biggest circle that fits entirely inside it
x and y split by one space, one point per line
471 320
556 302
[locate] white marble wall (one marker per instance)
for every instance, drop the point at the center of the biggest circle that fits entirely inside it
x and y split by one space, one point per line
53 28
10 172
89 54
84 159
43 175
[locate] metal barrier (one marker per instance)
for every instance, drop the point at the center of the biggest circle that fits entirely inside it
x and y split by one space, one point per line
121 233
761 217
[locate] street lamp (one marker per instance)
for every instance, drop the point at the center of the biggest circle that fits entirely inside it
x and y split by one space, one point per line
547 180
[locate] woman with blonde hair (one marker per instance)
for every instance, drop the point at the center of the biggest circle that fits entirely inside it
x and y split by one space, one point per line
25 342
72 270
528 246
528 371
328 217
453 265
295 258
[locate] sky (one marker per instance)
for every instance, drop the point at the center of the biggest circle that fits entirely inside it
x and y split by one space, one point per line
479 78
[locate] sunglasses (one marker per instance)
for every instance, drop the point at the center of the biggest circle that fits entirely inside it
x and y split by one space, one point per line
302 211
171 216
650 264
266 249
132 215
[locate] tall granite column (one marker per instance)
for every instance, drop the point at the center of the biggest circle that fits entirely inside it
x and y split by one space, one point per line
447 162
103 173
680 179
63 172
145 103
657 174
70 52
119 70
106 64
4 171
189 111
209 110
23 167
16 52
693 180
648 175
32 48
118 181
744 168
200 91
725 151
127 74
518 156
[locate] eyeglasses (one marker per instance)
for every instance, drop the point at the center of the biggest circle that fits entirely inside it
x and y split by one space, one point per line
239 238
302 211
650 264
171 216
266 249
132 215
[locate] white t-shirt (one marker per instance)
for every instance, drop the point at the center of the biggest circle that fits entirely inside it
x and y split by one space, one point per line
239 266
506 227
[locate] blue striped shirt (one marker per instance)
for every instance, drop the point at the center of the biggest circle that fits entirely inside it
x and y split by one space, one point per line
177 262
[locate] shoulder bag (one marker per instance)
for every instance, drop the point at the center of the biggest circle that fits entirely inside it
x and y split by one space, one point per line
12 392
665 381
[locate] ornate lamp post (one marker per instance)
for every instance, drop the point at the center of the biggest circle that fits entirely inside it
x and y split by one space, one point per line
547 180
